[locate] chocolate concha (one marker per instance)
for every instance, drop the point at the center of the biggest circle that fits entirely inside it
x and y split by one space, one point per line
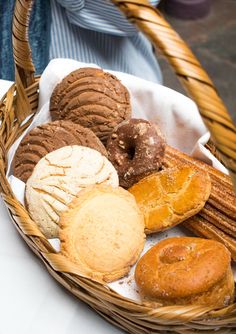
47 138
93 98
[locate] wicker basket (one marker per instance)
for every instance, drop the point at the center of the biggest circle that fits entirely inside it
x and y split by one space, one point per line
21 101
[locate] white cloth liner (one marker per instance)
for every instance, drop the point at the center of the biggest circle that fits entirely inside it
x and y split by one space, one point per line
175 114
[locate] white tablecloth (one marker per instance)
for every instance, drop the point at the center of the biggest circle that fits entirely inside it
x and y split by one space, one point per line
31 301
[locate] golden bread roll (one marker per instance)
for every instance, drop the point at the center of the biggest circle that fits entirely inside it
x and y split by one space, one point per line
184 271
169 197
102 232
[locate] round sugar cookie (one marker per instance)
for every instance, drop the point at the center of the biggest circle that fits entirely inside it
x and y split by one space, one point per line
58 178
102 232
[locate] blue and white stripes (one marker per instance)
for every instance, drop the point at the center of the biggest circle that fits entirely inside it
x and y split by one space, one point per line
100 15
96 32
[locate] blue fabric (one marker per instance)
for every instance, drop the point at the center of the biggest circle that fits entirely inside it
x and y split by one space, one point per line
85 30
100 15
6 53
97 32
39 34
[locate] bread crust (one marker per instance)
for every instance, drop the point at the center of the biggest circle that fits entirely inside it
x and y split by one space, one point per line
59 177
184 270
102 232
92 98
49 137
171 196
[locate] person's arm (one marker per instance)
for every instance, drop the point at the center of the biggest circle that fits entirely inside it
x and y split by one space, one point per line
100 15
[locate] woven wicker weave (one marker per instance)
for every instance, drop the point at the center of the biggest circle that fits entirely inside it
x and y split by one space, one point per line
21 101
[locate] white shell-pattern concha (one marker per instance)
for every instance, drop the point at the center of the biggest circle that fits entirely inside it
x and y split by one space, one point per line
58 178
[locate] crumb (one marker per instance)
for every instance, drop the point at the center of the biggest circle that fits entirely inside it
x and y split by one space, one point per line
129 280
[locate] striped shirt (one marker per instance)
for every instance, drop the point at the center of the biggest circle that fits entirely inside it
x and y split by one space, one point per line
97 32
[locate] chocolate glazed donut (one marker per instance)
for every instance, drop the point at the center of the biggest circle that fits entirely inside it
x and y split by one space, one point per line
136 149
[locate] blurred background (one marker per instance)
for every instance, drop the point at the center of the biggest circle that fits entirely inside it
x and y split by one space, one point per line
209 28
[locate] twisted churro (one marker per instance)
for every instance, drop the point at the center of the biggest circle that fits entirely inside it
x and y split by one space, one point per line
201 227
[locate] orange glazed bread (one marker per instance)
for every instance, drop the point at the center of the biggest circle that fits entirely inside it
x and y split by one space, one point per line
185 271
169 197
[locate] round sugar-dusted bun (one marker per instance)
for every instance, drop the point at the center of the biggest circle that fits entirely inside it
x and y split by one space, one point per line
93 98
59 177
136 149
47 138
184 271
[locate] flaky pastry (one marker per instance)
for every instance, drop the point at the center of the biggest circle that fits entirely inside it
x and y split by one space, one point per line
169 197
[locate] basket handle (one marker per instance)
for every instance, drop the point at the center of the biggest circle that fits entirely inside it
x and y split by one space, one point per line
24 66
193 78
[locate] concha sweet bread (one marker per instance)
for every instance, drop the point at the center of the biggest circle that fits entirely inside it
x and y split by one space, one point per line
92 98
48 137
169 197
183 271
58 178
102 232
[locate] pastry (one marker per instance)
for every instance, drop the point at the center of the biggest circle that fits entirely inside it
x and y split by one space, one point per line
136 149
93 98
220 220
222 195
220 209
47 138
58 178
184 271
102 232
169 197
